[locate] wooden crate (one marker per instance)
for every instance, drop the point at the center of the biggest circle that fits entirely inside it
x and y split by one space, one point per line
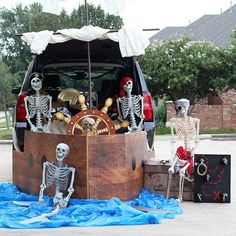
156 179
106 165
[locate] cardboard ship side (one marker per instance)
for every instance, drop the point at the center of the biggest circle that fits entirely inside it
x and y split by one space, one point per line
106 165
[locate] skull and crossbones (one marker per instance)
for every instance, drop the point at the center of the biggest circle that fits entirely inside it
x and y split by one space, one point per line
88 124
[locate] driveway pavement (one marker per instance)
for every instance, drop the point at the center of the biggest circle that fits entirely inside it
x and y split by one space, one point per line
197 218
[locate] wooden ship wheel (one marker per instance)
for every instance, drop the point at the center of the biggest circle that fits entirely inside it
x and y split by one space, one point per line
91 122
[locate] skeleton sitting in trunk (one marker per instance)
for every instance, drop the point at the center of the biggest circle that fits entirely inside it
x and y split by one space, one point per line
39 107
59 174
187 130
129 105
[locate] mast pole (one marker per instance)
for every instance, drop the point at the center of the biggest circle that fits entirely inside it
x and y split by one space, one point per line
89 55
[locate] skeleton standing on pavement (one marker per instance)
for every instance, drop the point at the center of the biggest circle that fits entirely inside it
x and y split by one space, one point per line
39 107
129 105
61 175
187 130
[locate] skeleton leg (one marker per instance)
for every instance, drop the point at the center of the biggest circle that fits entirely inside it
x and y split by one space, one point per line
181 181
168 184
171 171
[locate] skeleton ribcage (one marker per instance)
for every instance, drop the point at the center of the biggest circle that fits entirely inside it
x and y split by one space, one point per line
44 105
126 106
185 128
31 105
40 104
57 175
136 105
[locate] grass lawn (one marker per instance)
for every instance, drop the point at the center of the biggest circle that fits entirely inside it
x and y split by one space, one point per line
6 134
166 131
4 125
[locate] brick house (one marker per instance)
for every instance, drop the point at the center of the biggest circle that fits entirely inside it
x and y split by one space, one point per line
213 112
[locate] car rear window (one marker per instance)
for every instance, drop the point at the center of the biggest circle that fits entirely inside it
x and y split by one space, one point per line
76 76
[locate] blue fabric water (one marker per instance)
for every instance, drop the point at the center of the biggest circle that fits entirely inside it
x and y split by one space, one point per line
16 207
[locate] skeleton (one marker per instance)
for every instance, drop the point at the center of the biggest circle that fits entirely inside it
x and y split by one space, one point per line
55 173
187 130
58 173
40 106
131 105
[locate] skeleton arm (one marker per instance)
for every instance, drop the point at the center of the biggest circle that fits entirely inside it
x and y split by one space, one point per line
28 115
118 100
197 123
71 189
141 111
197 129
49 116
142 115
172 140
43 185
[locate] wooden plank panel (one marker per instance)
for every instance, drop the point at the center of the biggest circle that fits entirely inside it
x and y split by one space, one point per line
106 165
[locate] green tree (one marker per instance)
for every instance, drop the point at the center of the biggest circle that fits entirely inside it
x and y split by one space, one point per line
181 68
6 97
16 54
232 55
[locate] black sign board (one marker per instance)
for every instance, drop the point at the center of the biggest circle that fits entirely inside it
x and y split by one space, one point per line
212 178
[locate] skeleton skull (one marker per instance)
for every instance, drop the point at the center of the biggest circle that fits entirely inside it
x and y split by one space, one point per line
36 83
88 124
128 86
181 107
62 151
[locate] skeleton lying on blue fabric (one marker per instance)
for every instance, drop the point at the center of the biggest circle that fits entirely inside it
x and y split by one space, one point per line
17 207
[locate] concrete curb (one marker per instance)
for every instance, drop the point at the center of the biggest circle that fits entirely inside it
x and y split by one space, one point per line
6 142
167 137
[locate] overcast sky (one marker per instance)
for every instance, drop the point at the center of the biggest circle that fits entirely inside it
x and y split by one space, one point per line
152 13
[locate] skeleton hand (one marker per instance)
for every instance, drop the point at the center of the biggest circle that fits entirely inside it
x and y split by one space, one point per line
182 172
41 200
33 128
171 170
120 118
63 203
71 190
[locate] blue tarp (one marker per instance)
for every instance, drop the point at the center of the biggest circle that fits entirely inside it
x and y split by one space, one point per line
16 206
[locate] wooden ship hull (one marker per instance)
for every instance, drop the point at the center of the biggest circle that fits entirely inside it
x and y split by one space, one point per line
106 165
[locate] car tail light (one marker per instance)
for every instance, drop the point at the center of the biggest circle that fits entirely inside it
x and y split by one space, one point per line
148 107
20 109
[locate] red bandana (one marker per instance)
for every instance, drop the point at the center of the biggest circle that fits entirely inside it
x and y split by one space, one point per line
122 83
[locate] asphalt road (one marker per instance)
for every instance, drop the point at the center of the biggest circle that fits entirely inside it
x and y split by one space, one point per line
197 219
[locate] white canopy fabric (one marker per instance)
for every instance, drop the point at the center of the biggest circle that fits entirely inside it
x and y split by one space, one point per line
132 42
